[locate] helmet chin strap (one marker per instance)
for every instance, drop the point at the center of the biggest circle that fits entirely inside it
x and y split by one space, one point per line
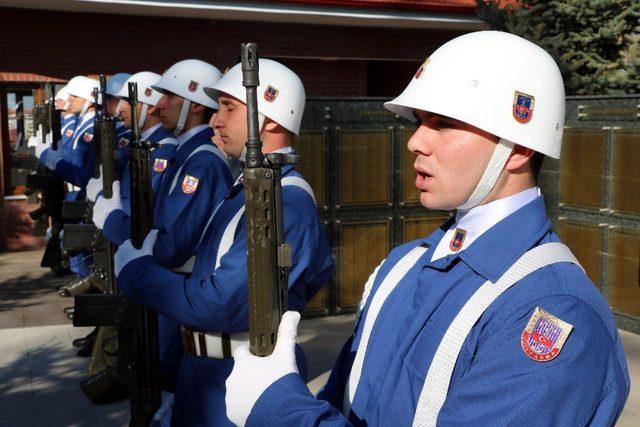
183 117
66 105
85 107
491 173
243 155
143 115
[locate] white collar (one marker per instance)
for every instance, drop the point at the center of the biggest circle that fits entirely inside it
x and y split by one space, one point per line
147 133
479 219
184 137
284 150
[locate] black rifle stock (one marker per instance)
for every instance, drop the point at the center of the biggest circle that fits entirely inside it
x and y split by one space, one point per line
268 257
51 188
141 343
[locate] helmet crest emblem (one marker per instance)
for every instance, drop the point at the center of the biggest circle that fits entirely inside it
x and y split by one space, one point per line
523 107
193 86
270 93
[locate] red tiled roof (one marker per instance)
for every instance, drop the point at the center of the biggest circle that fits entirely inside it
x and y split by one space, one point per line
27 77
422 5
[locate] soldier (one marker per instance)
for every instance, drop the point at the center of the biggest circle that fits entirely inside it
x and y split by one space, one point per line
197 176
487 321
214 297
150 128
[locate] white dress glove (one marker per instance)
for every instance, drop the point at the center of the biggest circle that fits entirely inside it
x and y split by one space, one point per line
94 187
127 253
41 147
103 207
252 375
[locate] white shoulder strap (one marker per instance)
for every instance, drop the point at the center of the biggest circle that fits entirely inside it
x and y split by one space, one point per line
230 231
168 141
386 287
436 385
206 147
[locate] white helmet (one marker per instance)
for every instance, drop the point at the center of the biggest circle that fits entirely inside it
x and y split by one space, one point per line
115 82
62 94
84 88
145 81
497 82
146 94
187 79
281 95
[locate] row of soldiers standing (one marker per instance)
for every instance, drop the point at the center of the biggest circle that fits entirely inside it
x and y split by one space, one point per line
192 267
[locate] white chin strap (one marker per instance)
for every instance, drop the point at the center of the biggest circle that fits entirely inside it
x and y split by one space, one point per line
143 115
183 117
243 155
491 173
85 107
65 107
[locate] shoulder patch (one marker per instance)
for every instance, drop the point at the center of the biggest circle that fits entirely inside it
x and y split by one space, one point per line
159 165
87 137
69 133
189 184
544 336
123 142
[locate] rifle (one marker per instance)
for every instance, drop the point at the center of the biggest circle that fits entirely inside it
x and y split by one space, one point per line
268 257
139 345
50 187
86 236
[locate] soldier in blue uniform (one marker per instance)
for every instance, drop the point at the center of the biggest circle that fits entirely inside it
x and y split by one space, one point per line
197 176
487 321
150 128
212 301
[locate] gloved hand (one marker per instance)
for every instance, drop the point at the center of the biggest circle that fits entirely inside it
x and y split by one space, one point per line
252 375
42 146
103 207
94 187
127 253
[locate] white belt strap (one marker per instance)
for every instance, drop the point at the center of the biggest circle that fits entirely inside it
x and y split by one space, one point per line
206 147
386 287
215 345
227 237
436 385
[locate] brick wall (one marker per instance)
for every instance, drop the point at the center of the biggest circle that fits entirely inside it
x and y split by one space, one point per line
16 226
331 60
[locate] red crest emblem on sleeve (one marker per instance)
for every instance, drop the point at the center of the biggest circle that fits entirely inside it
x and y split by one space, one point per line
189 184
87 137
544 336
159 165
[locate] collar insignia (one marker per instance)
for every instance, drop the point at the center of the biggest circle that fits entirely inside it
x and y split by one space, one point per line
458 239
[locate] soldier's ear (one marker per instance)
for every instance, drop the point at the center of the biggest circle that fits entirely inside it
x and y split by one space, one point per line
270 125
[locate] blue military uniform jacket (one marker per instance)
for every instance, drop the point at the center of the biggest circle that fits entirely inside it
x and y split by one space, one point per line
196 179
117 227
214 297
72 163
494 382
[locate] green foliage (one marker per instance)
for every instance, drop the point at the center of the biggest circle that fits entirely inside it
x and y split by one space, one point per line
596 43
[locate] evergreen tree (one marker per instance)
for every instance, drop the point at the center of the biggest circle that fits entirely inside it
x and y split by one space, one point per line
596 43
